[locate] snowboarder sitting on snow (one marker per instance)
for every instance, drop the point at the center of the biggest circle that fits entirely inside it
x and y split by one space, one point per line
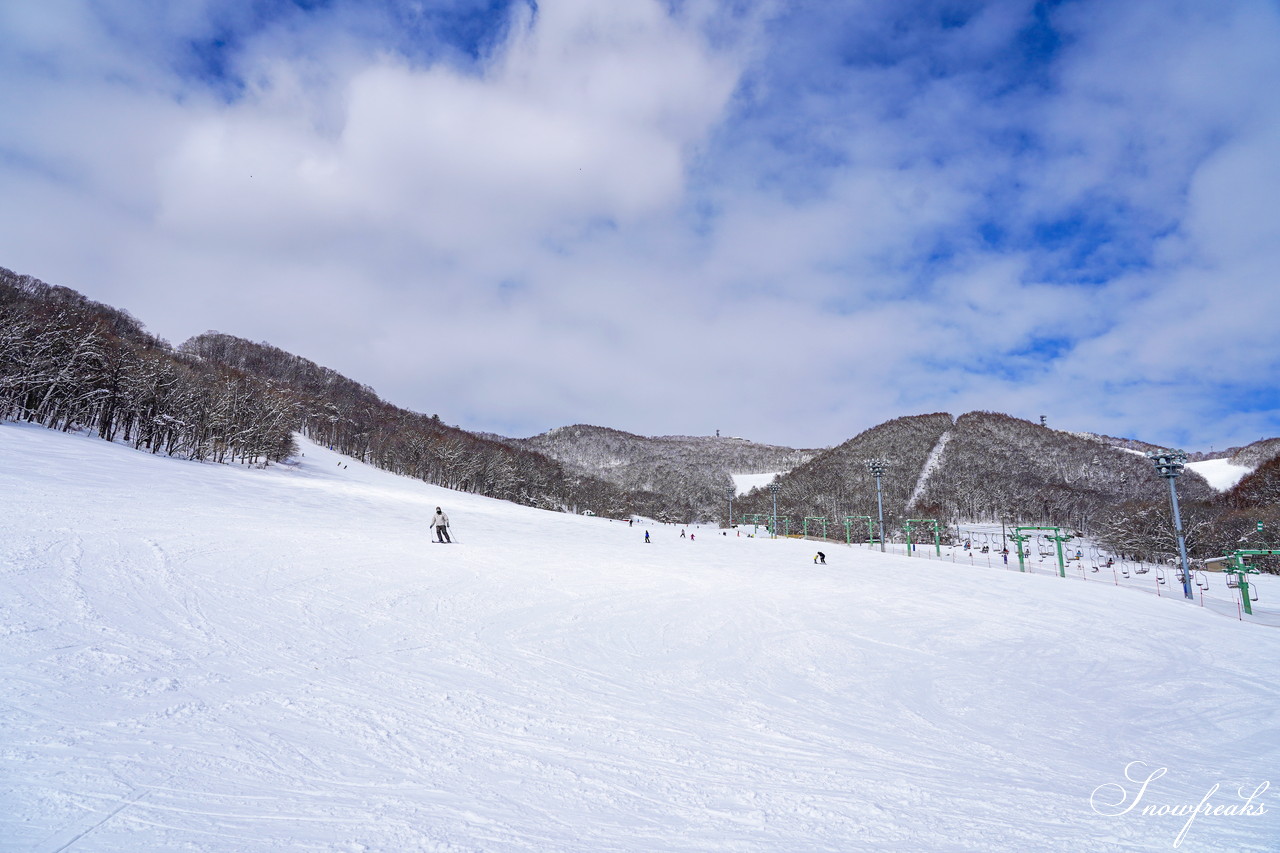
440 522
820 558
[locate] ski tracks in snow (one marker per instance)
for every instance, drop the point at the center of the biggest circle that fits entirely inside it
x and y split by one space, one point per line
310 675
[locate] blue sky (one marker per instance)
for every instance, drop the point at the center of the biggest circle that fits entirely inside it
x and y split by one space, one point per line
783 221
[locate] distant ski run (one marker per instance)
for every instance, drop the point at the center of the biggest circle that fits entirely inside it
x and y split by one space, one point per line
930 465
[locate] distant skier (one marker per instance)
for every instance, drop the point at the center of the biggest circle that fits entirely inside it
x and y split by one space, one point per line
646 537
440 522
820 558
691 535
681 534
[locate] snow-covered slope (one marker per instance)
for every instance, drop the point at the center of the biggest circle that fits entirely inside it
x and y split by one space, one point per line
743 483
201 657
1222 474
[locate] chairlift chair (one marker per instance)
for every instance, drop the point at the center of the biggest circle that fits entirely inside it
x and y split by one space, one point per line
1233 581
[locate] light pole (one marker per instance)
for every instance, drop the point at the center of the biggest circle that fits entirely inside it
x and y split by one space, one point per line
1169 464
877 468
773 488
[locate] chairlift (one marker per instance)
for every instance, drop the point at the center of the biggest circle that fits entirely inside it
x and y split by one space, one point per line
1202 580
1124 570
1141 569
1160 576
1253 592
1181 577
1233 581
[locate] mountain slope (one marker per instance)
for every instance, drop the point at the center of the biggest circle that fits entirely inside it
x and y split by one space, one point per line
70 363
691 472
999 468
237 660
982 466
836 483
350 418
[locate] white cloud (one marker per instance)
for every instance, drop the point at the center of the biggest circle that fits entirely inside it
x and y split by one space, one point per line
785 222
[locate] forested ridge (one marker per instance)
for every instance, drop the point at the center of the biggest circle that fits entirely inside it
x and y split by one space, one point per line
692 473
1000 468
990 467
836 483
70 363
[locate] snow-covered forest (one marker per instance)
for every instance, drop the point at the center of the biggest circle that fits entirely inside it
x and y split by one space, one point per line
692 473
69 363
989 467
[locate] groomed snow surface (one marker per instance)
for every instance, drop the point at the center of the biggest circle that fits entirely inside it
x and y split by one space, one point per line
1222 474
743 483
202 657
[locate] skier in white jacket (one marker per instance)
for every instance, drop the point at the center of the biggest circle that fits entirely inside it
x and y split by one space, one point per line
440 522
